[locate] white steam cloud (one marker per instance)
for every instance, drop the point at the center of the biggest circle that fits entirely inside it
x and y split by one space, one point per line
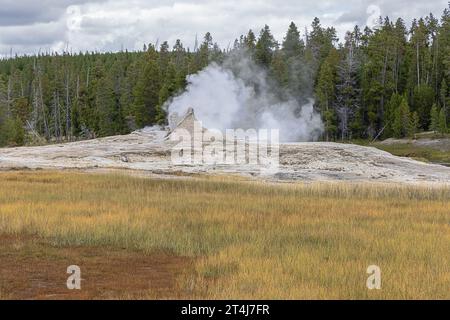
238 94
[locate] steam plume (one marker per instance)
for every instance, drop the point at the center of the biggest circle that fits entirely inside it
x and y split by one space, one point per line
239 94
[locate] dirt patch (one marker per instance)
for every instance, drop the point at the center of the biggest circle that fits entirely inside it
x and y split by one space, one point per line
32 268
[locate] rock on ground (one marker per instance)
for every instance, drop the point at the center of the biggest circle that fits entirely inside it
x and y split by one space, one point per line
150 150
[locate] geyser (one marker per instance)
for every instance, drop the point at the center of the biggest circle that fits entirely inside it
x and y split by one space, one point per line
238 94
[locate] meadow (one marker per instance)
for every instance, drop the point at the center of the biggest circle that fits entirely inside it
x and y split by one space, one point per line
233 238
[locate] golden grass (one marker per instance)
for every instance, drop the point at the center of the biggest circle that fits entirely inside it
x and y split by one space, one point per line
252 240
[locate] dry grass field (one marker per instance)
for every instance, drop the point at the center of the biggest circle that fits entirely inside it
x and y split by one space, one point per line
217 237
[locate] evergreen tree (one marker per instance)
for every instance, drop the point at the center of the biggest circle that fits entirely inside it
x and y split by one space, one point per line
325 92
422 101
279 69
414 124
443 39
250 41
319 43
265 47
444 94
347 96
146 91
292 44
402 123
392 106
442 122
434 116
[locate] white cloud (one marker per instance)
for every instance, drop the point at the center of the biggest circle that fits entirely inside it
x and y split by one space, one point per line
113 24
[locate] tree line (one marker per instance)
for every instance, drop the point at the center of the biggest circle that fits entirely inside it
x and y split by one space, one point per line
386 81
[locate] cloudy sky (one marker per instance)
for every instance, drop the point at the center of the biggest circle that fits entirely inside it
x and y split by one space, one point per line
27 26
